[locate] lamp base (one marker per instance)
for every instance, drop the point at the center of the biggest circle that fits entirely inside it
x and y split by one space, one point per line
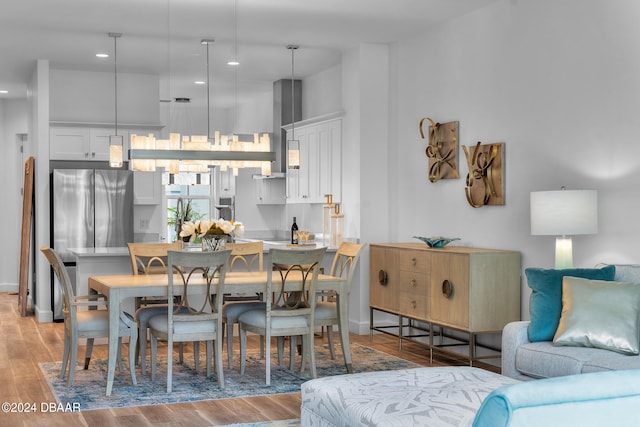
564 252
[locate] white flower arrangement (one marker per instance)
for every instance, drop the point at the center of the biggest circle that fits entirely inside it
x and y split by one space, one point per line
216 227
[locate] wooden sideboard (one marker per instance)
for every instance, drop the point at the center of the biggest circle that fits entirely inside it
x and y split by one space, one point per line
444 297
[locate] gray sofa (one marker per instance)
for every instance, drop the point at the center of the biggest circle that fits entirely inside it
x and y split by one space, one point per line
525 360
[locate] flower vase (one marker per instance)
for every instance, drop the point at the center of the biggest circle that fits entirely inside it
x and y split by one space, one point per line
214 242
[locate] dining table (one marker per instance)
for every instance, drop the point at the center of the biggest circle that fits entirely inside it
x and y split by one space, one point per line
118 288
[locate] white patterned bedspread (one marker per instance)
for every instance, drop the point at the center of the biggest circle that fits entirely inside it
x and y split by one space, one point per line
443 396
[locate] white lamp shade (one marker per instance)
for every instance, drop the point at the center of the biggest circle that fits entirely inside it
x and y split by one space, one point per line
564 212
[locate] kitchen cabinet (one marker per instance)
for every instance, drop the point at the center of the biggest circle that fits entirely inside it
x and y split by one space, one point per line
269 191
82 143
320 170
147 188
87 141
466 290
69 143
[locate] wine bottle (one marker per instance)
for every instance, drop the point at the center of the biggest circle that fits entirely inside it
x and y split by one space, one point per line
294 232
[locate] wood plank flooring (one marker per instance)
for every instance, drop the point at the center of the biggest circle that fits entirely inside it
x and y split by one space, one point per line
24 343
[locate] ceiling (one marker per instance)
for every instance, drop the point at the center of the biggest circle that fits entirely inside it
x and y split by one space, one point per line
163 37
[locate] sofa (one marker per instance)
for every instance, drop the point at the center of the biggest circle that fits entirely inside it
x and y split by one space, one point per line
598 399
526 359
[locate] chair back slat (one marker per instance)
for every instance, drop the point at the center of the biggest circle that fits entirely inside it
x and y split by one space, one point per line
292 276
151 258
63 277
345 260
189 267
249 254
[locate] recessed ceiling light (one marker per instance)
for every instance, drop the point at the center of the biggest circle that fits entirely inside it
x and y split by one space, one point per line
102 55
232 62
199 82
4 91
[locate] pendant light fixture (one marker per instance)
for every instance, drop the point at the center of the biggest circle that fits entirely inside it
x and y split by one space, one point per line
196 153
293 150
235 61
115 140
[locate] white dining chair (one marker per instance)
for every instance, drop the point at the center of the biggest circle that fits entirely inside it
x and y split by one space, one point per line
292 313
198 317
326 311
249 257
149 258
90 324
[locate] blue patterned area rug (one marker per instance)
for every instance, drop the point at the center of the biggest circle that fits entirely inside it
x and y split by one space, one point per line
88 388
283 423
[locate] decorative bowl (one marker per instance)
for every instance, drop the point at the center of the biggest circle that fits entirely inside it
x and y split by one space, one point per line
437 242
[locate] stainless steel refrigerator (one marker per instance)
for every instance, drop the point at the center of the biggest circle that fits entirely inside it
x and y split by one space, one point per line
91 208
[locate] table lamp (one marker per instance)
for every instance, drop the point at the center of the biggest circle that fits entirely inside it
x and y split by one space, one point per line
564 213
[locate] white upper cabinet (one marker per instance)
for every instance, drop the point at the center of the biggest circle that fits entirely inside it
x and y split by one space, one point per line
69 143
89 142
320 170
82 143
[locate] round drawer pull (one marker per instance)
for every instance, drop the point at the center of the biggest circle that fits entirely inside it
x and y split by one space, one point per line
414 261
383 278
413 304
413 282
447 289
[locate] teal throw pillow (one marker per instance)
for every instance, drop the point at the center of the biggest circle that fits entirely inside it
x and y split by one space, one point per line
545 304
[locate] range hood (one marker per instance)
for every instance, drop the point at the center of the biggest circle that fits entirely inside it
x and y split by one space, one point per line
282 109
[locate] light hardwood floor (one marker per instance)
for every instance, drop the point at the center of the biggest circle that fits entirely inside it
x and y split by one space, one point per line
24 343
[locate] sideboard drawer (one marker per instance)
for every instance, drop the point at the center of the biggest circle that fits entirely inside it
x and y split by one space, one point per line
413 282
414 305
419 261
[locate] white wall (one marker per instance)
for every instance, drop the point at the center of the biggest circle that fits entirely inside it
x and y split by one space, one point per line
13 121
38 146
321 93
366 179
83 96
558 83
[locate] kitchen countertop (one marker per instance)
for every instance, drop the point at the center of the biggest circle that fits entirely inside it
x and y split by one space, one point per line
93 252
124 251
284 244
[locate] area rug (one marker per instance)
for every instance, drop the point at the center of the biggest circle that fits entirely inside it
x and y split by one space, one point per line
89 386
282 423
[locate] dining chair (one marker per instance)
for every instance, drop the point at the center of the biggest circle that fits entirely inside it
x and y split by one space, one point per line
149 258
90 324
198 317
326 311
292 276
250 257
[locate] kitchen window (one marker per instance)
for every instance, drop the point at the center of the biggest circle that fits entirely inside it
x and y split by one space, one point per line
197 197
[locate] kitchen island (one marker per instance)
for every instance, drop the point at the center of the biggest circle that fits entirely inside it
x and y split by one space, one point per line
100 262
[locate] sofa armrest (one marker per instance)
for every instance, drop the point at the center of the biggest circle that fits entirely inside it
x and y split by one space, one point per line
596 399
514 335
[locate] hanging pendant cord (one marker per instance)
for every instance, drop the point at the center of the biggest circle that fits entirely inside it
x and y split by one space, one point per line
208 97
115 78
115 75
293 98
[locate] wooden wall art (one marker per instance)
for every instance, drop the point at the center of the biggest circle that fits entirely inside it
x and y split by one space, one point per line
442 150
26 238
485 180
